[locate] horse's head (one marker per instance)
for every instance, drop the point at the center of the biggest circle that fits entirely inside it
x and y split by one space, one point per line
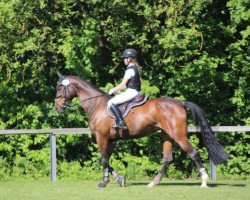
64 93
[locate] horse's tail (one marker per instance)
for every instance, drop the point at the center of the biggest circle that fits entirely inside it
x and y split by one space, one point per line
215 149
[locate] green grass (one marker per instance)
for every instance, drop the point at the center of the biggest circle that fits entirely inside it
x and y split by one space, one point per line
87 190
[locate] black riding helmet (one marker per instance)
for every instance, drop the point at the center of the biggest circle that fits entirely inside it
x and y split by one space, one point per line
129 53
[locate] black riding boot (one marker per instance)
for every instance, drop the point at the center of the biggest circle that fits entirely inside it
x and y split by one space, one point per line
118 115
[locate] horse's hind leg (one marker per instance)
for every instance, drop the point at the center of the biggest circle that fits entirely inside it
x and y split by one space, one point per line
194 155
167 158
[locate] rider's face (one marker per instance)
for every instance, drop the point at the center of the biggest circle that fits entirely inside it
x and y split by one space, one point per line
126 61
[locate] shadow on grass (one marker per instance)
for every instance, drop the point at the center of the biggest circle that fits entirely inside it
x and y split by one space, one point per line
224 184
162 184
212 185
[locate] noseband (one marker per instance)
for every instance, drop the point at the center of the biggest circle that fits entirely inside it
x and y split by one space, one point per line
66 102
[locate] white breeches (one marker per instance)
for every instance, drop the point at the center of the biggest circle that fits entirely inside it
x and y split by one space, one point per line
129 94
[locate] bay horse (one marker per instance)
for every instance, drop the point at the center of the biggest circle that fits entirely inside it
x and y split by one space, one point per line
159 114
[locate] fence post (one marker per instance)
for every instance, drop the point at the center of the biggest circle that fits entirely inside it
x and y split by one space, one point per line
212 170
53 157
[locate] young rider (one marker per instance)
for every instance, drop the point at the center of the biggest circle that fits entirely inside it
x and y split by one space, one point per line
131 81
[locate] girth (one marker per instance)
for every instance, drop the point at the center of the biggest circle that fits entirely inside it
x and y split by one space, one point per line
127 106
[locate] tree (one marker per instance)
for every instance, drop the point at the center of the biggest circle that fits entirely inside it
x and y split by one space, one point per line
190 50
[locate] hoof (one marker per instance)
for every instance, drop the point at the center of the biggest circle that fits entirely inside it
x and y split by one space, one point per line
121 181
102 185
204 186
151 185
204 181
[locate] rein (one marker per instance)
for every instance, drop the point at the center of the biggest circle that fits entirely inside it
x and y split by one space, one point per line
94 97
67 102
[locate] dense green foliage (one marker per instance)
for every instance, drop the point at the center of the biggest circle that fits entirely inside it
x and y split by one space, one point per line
189 50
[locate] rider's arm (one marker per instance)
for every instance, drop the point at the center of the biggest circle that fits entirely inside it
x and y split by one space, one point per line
121 86
128 74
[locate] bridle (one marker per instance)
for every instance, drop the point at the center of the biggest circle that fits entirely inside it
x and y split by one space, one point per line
67 102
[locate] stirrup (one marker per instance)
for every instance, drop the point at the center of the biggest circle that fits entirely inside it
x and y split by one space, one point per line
117 126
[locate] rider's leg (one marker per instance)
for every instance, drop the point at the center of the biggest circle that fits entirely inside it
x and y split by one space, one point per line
118 115
119 99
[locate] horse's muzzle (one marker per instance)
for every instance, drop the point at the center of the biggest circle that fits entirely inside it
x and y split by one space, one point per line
58 107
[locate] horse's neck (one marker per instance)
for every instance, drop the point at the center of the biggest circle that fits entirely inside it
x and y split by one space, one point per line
88 96
84 94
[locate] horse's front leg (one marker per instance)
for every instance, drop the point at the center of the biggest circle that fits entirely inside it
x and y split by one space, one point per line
108 169
119 179
105 166
103 147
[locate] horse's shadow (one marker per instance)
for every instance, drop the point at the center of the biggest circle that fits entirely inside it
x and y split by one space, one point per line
212 185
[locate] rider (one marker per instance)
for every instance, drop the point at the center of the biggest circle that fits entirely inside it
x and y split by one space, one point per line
132 81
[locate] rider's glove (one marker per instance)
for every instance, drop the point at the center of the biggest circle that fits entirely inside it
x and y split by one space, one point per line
111 91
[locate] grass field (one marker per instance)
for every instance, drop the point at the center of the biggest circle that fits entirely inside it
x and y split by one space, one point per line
87 190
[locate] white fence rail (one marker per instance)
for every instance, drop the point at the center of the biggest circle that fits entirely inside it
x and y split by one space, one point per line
54 132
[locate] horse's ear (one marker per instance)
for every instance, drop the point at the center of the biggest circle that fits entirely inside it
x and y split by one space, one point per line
61 77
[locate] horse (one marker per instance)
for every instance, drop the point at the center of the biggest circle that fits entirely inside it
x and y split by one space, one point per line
164 114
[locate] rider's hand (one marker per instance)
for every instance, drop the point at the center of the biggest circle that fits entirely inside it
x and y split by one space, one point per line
111 91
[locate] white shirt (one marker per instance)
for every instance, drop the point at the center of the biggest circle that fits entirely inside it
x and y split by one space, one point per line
129 73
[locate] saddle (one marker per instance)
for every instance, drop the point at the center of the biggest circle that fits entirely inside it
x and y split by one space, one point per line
127 106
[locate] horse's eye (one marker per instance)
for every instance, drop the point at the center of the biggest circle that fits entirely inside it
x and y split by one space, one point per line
59 87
